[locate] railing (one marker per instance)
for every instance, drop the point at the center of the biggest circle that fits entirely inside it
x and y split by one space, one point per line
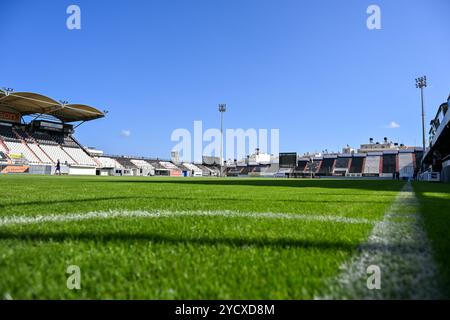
430 176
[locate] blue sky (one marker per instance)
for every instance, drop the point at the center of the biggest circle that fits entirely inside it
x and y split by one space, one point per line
309 68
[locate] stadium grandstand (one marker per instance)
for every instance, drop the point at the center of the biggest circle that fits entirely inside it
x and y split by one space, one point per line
342 164
35 146
327 165
372 165
37 131
192 170
376 160
436 160
357 162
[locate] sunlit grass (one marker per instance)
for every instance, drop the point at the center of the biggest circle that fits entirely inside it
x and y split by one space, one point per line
210 257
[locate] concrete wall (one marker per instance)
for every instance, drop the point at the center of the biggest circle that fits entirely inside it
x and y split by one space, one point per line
85 171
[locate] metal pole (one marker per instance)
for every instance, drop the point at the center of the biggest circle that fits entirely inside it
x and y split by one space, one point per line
421 82
423 120
221 142
222 109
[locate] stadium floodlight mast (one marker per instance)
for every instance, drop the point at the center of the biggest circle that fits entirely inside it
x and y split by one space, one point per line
8 90
421 83
222 109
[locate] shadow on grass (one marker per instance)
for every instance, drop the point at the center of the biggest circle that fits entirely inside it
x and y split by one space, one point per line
176 240
172 198
371 185
436 214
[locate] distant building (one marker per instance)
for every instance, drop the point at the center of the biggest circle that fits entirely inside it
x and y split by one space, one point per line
259 158
380 147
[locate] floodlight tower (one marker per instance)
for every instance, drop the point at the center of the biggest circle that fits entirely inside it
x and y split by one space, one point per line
420 84
222 109
8 91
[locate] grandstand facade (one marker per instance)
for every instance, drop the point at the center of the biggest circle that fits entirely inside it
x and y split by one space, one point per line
436 161
392 164
37 145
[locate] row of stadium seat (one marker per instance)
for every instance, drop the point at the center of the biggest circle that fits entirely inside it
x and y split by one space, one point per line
121 165
80 156
19 148
7 134
106 162
404 163
43 148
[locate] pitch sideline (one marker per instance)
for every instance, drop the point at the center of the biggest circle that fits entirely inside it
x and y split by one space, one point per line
54 218
403 253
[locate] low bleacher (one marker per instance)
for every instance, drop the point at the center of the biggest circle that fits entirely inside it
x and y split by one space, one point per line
195 171
270 170
372 165
341 166
126 162
284 172
160 170
168 165
301 164
406 164
313 166
141 163
206 172
214 169
389 165
356 166
326 168
174 170
235 171
156 164
106 162
342 163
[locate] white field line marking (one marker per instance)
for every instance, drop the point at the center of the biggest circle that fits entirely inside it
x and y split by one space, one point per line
401 250
22 220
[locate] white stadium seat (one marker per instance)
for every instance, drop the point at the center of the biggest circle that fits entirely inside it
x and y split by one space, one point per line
80 156
372 165
56 153
20 148
141 163
406 164
106 162
38 151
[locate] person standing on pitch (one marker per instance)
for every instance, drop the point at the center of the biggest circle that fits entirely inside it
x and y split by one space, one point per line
58 168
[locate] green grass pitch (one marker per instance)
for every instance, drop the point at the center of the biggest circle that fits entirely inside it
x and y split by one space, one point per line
187 256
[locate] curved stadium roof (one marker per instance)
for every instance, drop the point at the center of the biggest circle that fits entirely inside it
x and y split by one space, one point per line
28 103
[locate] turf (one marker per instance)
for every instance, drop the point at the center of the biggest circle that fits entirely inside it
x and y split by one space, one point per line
183 257
434 201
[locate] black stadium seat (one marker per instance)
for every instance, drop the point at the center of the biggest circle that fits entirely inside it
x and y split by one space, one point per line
357 165
389 163
327 167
